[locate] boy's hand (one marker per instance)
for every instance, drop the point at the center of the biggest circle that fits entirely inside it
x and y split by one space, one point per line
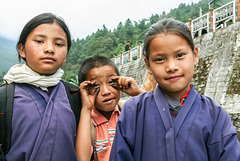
128 85
88 94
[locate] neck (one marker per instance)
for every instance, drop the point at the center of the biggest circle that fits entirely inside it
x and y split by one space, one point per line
176 95
106 114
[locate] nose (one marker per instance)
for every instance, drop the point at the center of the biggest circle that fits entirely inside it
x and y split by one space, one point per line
104 89
49 48
172 66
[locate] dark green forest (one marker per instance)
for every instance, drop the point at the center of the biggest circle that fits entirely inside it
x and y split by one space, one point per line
108 43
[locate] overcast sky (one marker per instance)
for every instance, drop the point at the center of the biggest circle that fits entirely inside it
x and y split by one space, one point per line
82 17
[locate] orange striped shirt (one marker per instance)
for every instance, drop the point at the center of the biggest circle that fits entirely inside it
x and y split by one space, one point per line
104 134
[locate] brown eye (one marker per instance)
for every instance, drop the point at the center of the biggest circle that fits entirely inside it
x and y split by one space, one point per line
58 44
180 55
92 89
38 41
114 84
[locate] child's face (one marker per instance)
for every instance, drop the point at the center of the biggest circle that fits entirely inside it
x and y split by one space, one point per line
108 95
45 49
172 61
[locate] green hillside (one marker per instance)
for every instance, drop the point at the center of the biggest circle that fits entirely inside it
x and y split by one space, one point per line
8 54
108 42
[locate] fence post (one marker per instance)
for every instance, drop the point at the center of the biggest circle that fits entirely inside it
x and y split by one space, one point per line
114 59
121 58
129 54
211 17
190 24
139 52
238 8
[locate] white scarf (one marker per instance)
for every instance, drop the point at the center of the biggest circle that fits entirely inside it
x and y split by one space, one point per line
21 73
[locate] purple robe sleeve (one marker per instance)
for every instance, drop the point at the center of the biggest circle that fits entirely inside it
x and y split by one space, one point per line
224 144
122 147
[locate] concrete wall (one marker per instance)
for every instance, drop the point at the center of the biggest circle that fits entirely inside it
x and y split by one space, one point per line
218 72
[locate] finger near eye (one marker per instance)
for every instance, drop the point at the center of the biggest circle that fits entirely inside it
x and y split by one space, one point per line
93 90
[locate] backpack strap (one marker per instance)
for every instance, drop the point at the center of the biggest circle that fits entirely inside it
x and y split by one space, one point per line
92 127
6 109
74 98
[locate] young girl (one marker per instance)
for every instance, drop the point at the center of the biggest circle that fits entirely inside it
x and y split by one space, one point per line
100 92
173 122
43 124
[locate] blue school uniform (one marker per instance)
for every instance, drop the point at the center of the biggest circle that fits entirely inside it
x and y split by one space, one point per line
202 131
43 126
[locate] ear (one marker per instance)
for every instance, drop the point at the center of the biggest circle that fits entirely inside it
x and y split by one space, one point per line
148 65
196 55
21 51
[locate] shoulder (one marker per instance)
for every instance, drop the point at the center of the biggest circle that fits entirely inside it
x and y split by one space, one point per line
140 99
135 105
221 120
212 106
97 116
71 88
10 86
216 111
3 83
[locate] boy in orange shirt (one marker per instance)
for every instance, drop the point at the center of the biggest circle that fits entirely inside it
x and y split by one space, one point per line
100 86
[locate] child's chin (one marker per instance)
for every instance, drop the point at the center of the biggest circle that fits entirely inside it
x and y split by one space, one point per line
107 108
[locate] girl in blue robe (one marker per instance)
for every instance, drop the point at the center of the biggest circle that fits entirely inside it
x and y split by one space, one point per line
43 124
173 123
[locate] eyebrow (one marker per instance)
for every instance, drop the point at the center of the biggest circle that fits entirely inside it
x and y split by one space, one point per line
108 76
44 36
39 35
161 54
92 79
180 49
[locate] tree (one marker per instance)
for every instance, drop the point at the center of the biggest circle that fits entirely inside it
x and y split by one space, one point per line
109 43
154 18
128 30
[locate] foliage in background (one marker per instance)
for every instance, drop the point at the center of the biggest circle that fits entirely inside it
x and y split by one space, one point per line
2 75
109 43
9 56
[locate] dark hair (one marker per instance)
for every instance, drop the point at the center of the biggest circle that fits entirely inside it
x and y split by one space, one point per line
167 26
94 62
44 18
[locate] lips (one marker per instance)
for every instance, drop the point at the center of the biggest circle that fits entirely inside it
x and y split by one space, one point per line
108 100
48 59
174 78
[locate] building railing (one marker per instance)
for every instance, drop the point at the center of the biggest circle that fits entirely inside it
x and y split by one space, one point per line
215 19
128 56
200 25
224 14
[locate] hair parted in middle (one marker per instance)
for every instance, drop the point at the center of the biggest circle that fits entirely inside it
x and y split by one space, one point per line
167 26
44 18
